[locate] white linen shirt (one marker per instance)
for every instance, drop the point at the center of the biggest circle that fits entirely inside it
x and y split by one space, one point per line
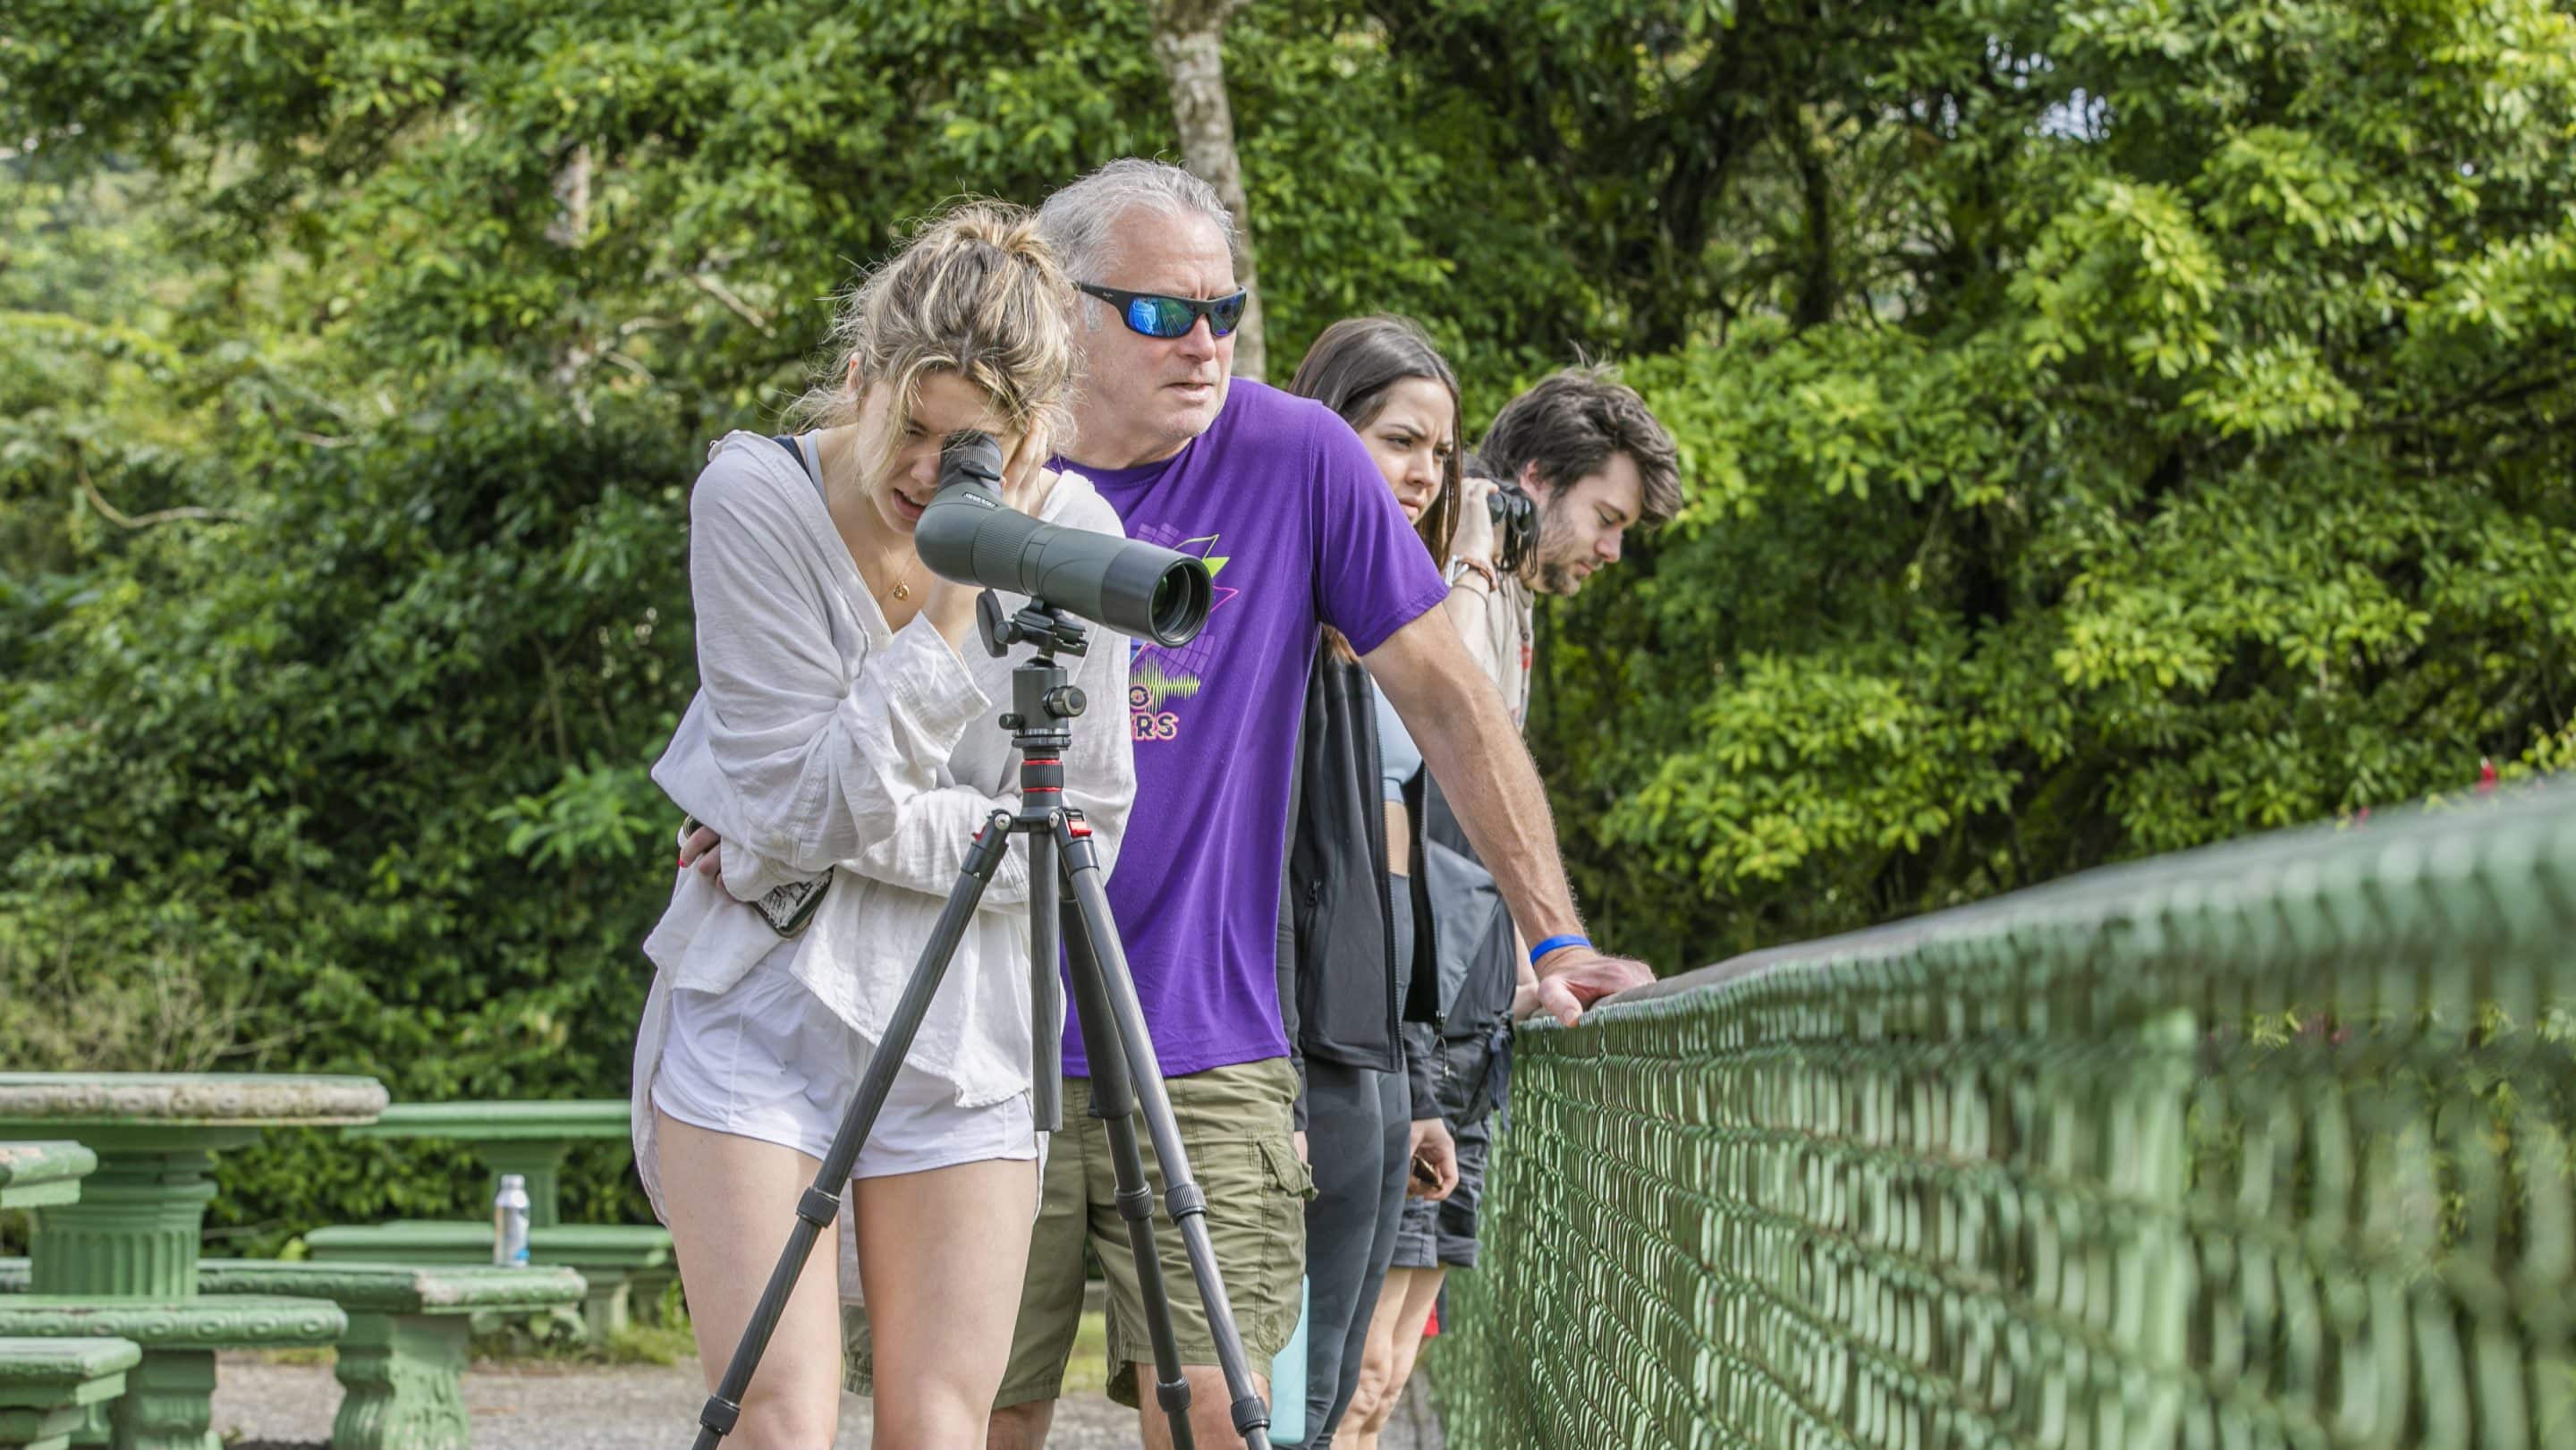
820 739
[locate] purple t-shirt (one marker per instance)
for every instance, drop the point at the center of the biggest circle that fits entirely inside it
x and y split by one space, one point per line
1298 527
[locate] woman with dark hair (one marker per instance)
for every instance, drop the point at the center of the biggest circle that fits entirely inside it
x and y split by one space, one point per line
1368 1114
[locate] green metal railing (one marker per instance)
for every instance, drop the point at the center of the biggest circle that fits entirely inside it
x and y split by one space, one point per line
2261 1145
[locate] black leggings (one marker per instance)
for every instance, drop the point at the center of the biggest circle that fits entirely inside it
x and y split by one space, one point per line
1359 1134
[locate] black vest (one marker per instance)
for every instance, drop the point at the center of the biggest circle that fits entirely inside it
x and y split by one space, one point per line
1343 991
1345 984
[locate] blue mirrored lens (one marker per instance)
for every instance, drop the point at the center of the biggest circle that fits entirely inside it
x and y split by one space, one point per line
1168 317
1160 316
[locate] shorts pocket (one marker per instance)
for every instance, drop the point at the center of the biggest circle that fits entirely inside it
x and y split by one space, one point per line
1268 1303
1285 1174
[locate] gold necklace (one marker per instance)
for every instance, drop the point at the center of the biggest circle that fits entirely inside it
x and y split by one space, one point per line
902 589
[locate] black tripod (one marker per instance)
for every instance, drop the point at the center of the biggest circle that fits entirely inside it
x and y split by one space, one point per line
1123 1069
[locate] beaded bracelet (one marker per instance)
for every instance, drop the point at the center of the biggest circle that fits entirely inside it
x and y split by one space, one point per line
1461 565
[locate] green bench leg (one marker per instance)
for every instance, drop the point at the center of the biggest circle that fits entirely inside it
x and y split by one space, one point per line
404 1377
649 1290
605 1308
168 1403
25 1429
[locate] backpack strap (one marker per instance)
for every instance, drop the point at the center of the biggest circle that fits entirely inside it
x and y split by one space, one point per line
803 464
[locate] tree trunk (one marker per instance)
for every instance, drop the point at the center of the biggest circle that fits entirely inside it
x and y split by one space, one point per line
571 226
1186 33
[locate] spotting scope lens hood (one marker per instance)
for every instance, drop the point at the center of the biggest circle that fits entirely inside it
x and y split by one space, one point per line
969 535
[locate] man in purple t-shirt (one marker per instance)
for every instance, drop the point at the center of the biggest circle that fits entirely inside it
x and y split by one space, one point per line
1282 501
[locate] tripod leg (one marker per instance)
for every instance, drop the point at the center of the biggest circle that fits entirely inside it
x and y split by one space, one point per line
822 1201
1113 1101
1113 1029
1046 1001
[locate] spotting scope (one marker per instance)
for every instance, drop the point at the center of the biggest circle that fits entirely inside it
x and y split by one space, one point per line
969 535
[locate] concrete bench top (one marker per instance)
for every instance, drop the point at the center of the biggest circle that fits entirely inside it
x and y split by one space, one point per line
118 1099
43 1175
399 1288
231 1321
63 1362
501 1122
441 1233
364 1288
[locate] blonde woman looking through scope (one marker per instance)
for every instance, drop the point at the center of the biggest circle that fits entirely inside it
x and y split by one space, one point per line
844 730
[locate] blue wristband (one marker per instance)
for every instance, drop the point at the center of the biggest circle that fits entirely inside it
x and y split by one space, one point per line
1555 942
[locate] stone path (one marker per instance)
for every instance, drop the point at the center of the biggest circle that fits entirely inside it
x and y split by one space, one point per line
262 1406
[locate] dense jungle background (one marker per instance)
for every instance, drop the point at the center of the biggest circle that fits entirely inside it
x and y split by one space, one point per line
2110 426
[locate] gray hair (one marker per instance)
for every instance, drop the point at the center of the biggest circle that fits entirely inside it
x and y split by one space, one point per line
1077 221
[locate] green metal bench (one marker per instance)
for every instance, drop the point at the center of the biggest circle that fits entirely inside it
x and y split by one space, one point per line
50 1388
167 1403
623 1264
614 1260
47 1387
402 1359
119 1260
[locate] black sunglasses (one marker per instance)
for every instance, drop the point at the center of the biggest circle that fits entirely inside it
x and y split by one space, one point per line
1156 315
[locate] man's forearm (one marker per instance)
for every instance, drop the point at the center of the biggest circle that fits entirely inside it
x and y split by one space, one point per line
1494 789
1467 739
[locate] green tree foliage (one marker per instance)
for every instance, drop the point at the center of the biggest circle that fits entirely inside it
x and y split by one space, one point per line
2177 447
2111 426
371 351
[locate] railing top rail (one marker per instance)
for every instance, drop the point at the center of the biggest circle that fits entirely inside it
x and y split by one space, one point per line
2361 887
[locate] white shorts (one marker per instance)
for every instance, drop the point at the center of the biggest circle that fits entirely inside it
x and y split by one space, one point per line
767 1060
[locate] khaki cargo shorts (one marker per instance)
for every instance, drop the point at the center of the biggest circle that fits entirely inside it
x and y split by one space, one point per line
1234 1125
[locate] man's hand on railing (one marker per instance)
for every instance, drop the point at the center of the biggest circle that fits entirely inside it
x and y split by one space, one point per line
1574 978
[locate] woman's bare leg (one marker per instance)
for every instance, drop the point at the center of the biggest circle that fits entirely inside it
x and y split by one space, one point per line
1395 1338
1377 1362
731 1202
941 1256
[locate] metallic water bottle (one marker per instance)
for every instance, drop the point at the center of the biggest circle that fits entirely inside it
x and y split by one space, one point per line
510 1221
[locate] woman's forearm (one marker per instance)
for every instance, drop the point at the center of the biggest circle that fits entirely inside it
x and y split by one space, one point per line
1467 607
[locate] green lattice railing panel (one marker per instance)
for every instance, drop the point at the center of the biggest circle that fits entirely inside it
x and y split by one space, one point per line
2261 1145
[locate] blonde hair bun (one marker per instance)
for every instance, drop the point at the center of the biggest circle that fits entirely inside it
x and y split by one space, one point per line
975 292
